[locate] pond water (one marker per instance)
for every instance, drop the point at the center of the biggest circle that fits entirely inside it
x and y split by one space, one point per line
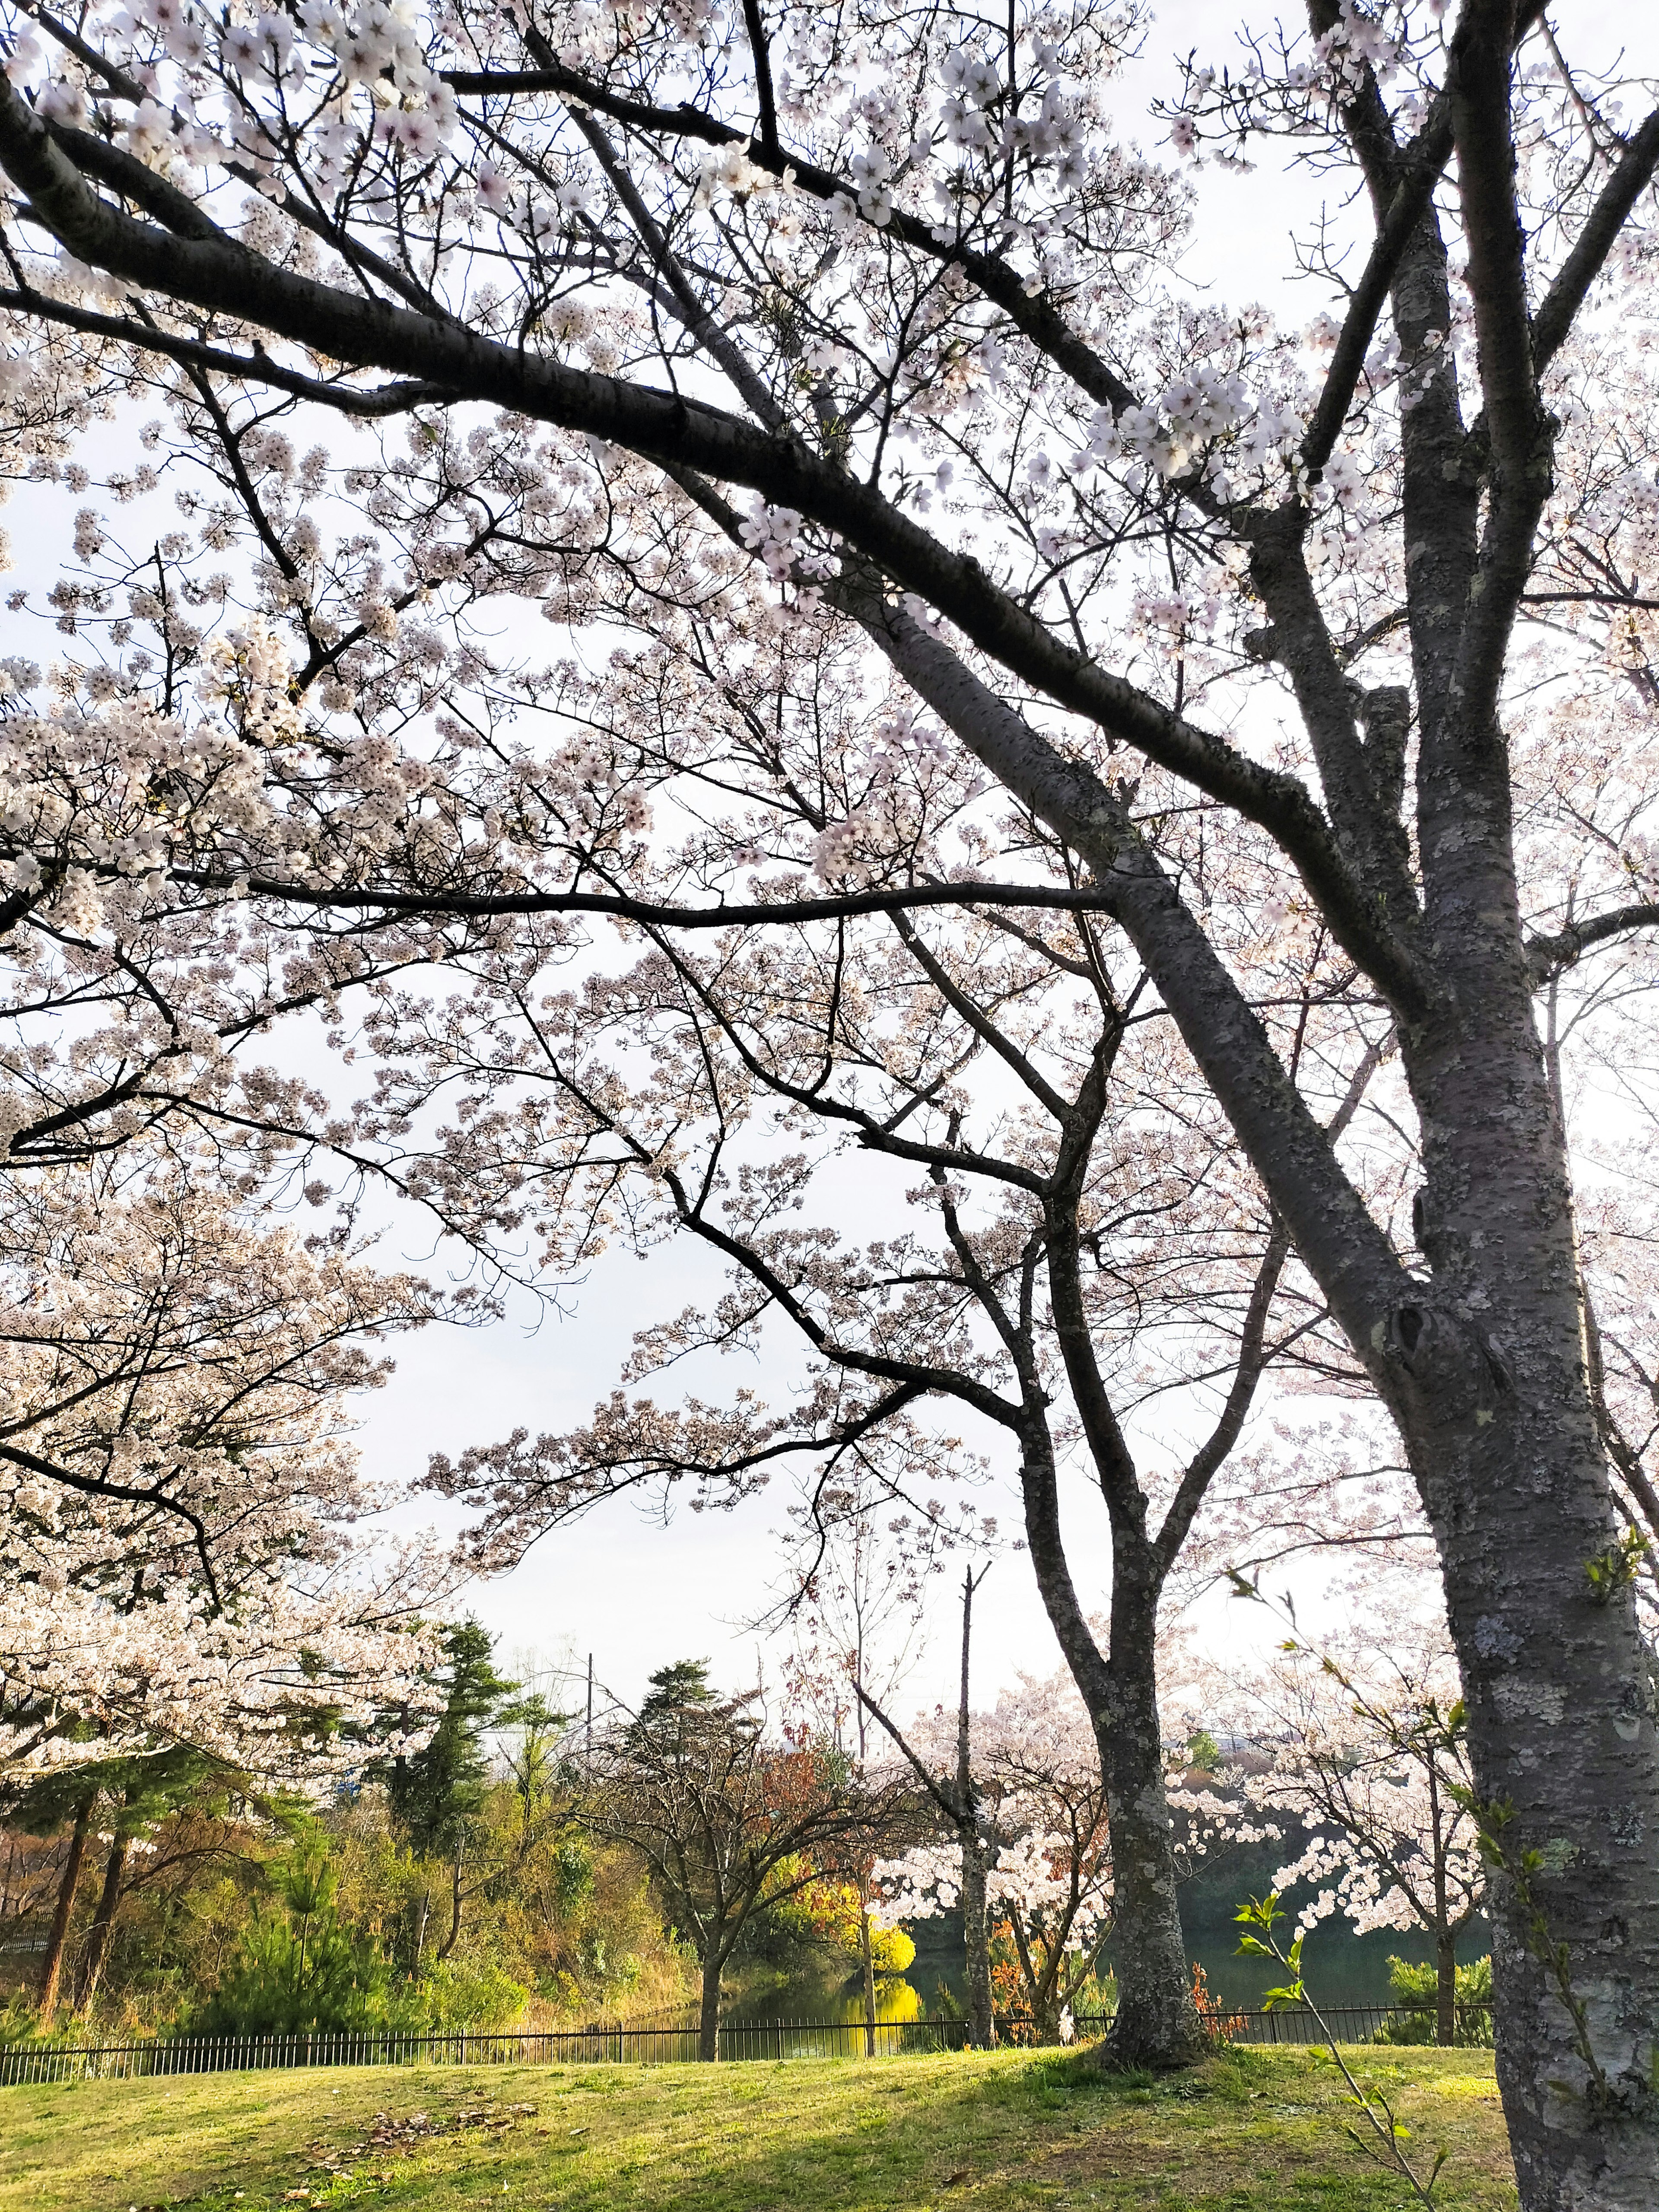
831 1997
1342 1969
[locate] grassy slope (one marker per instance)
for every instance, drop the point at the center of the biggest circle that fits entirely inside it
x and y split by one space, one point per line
1257 2131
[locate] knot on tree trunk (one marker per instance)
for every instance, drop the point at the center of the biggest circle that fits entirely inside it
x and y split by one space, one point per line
1452 1369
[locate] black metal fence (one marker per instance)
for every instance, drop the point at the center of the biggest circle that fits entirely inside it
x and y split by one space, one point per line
1389 2023
626 2045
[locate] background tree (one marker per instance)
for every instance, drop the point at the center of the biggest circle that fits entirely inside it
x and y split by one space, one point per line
1073 1245
439 1792
729 1818
56 1804
299 1970
185 1559
141 1794
135 1794
854 1592
1366 1739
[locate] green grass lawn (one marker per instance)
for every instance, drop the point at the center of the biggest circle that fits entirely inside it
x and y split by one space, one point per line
1250 2131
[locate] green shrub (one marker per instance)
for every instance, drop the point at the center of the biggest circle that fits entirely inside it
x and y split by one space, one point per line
455 1995
1418 1986
20 2023
297 1970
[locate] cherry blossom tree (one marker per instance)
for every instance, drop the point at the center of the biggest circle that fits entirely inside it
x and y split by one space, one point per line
1366 1740
1044 1878
185 1560
1072 1254
1085 1238
874 308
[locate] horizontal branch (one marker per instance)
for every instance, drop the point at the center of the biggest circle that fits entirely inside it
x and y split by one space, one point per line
832 905
1550 953
257 367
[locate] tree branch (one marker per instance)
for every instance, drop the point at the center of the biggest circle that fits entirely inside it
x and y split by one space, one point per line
1479 77
1034 315
1548 955
672 428
92 1485
257 367
1560 304
1422 166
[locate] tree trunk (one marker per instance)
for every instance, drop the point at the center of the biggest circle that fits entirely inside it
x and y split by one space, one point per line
422 1914
1500 1440
455 1902
53 1966
869 1983
1445 1990
1560 1743
103 1921
975 1944
708 2022
1039 1987
1156 2023
1485 1372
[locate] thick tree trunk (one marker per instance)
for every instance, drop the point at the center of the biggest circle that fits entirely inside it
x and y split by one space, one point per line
709 2020
1485 1375
1157 2022
1561 1744
1445 1989
51 1969
103 1921
975 1941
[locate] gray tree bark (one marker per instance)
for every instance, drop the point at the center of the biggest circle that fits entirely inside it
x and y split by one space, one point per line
976 1941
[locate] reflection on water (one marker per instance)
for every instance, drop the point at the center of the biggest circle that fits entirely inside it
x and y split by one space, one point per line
826 1998
1343 1969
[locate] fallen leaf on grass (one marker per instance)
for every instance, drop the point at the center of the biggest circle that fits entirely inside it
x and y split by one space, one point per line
402 2138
